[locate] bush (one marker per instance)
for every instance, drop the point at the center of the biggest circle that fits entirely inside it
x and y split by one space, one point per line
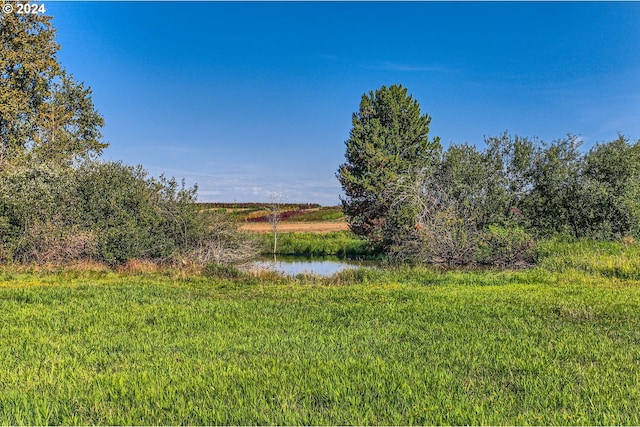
447 232
124 208
34 217
112 213
214 238
506 246
448 239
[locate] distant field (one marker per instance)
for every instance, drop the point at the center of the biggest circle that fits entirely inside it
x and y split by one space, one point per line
309 218
259 212
296 227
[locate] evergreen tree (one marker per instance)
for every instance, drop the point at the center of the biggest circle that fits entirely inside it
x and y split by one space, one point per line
388 147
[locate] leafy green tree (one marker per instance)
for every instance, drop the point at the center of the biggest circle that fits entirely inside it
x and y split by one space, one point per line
510 161
388 144
45 115
473 181
554 203
488 186
613 172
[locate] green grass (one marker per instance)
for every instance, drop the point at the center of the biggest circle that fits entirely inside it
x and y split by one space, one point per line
328 213
608 259
557 344
338 243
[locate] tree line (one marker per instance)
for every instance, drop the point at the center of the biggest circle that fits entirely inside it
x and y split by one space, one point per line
415 200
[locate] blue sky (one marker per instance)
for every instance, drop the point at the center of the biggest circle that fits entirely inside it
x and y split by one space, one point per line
253 98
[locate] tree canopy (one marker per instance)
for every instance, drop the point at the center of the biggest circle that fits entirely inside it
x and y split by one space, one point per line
45 115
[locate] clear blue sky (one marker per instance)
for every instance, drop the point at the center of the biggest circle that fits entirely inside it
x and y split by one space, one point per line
248 99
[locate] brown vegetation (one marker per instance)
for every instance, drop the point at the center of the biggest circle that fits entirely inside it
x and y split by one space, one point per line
295 227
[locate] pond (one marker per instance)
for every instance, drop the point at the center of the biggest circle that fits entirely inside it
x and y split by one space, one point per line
325 266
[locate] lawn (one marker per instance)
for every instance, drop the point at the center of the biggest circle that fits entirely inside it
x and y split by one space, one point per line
557 344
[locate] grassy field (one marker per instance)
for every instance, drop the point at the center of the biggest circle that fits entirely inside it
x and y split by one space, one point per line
294 218
557 344
343 244
259 212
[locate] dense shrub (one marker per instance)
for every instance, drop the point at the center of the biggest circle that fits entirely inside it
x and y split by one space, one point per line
34 214
108 212
506 246
449 231
126 210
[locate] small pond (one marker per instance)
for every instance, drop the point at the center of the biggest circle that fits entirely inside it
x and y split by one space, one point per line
325 266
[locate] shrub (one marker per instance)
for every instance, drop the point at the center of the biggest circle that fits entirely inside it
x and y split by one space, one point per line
34 217
112 213
448 239
125 208
506 246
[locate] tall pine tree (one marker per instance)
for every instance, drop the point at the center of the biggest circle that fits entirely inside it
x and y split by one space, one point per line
388 146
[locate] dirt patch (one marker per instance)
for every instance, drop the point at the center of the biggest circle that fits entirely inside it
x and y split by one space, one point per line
295 227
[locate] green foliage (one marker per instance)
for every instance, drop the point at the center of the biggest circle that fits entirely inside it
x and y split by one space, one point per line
45 115
111 213
555 203
506 246
509 161
26 40
448 227
465 177
69 126
128 210
487 206
35 210
554 188
387 143
613 170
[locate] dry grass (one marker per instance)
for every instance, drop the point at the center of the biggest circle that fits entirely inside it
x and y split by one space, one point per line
139 266
296 227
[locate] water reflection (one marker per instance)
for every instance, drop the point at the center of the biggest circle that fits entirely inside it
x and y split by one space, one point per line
292 266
